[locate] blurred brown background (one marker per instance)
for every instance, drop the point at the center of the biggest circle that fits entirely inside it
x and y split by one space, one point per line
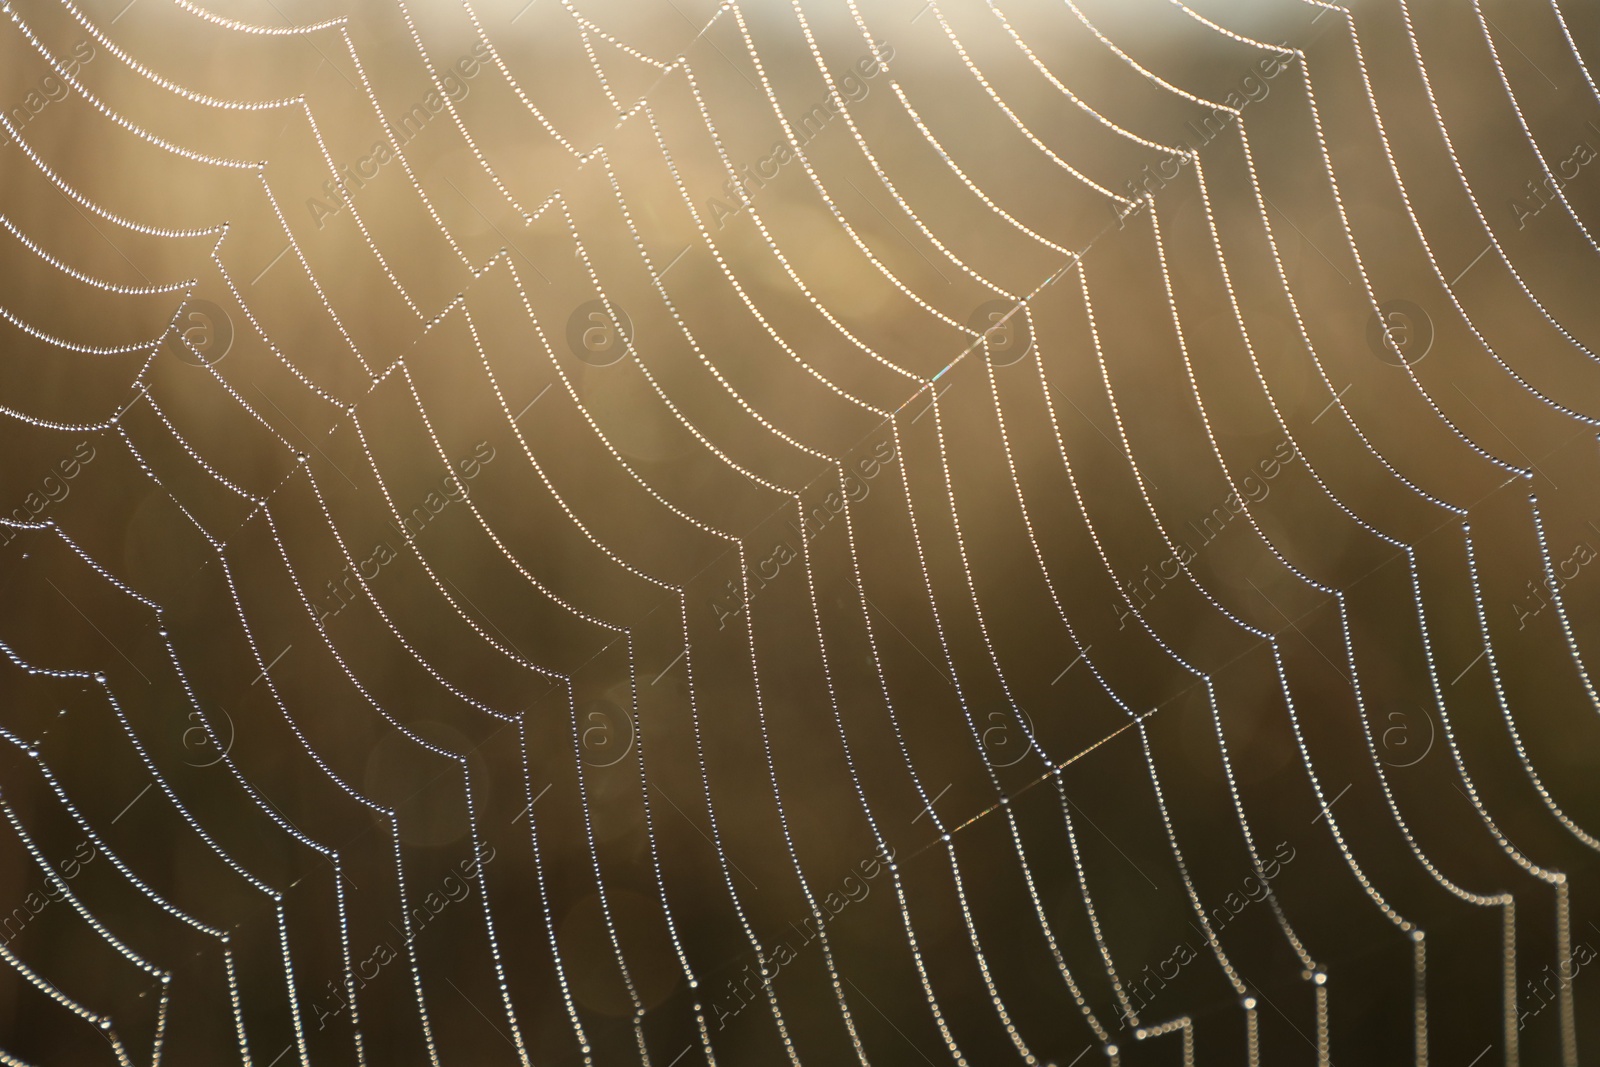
515 511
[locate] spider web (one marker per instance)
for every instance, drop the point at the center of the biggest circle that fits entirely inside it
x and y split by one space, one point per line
798 533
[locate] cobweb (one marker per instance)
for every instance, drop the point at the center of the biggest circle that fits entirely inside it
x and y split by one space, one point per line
544 532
